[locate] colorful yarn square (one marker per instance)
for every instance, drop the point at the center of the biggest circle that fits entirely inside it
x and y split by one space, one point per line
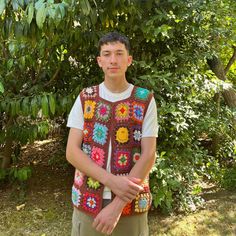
100 133
122 111
122 135
103 111
93 184
86 149
90 92
137 134
91 202
136 155
138 112
98 155
142 94
127 209
76 196
88 131
122 160
79 178
89 107
142 202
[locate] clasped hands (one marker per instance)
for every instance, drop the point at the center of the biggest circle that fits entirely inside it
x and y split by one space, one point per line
125 188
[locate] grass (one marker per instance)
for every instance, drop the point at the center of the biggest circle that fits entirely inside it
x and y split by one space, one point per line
44 208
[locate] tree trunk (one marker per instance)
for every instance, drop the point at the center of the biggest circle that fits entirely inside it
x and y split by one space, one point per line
229 95
217 67
7 152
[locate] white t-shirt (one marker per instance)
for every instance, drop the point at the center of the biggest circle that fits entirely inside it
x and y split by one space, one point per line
149 127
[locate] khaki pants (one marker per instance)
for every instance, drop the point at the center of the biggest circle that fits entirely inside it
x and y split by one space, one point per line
136 225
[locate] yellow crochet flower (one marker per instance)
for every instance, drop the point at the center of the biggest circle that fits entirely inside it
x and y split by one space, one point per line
93 183
122 111
89 109
122 135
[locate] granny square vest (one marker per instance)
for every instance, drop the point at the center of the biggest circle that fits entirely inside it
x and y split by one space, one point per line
121 124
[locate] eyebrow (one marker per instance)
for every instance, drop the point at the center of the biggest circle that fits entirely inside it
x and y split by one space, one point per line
107 51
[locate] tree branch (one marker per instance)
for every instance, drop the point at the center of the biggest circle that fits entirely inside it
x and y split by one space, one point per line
231 61
53 77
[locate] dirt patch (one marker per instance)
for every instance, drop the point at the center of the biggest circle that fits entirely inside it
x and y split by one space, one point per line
43 207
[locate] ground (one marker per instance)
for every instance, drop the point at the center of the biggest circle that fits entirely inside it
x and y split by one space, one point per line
43 207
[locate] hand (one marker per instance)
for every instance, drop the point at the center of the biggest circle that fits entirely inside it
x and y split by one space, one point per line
108 217
125 187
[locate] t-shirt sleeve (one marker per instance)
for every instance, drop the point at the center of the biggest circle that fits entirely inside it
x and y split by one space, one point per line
150 124
76 117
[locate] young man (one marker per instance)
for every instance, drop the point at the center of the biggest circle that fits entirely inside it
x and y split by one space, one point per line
112 144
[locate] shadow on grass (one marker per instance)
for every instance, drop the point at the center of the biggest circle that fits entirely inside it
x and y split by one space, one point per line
218 218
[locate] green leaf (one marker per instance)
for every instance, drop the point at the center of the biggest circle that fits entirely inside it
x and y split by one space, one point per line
62 9
38 4
85 6
1 87
13 108
30 13
52 104
10 64
41 16
25 106
2 6
34 106
18 110
45 108
15 5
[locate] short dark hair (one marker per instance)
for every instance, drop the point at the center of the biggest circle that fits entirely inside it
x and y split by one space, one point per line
114 37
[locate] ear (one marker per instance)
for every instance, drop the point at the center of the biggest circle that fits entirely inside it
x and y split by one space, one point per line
130 60
99 61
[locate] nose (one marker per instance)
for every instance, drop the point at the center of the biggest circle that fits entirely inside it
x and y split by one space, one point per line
113 59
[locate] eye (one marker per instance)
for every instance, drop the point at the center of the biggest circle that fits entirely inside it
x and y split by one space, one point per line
106 54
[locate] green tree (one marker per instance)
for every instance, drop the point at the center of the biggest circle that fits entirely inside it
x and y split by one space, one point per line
47 55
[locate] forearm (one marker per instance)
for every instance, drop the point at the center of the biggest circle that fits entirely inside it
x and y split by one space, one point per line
83 163
143 166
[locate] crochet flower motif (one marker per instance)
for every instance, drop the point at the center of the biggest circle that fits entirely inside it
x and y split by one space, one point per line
141 93
127 209
76 196
145 185
122 135
122 111
90 202
138 112
98 155
103 111
79 178
136 157
142 202
93 183
87 131
86 148
100 133
89 107
137 134
89 92
122 159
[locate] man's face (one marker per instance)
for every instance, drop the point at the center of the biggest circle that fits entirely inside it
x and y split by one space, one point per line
114 60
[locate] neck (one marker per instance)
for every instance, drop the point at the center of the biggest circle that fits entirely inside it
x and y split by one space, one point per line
116 86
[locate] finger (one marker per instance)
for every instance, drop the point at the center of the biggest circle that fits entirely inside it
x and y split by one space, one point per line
135 180
110 230
105 229
95 222
99 227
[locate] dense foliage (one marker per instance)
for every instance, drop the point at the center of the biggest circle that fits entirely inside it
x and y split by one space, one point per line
47 55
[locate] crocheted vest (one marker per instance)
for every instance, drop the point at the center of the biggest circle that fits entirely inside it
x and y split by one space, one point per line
121 124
